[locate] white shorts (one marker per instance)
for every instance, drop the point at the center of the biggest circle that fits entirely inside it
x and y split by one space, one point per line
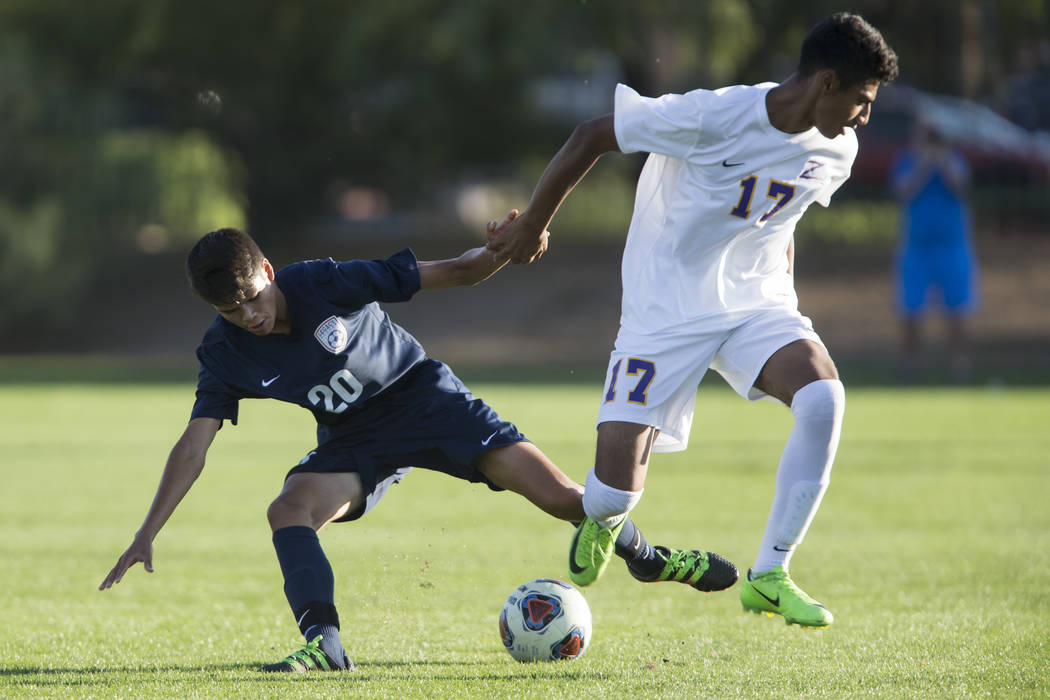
652 379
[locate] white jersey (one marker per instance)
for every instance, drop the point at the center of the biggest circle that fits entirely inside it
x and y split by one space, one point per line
716 204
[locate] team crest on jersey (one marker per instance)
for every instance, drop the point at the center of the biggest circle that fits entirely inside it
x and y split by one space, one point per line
332 335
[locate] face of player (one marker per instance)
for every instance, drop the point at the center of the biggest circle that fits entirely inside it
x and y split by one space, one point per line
262 313
839 109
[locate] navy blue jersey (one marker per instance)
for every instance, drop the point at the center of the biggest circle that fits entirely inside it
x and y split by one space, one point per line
342 349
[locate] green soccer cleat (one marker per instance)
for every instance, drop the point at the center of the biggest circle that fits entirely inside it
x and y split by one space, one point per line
591 549
309 658
774 592
704 571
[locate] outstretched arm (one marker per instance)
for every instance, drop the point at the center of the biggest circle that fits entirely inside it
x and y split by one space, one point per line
524 240
183 467
474 266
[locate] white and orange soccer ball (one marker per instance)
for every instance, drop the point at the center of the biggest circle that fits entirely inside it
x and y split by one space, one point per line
545 620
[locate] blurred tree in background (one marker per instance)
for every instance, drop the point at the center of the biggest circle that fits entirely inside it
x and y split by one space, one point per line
131 127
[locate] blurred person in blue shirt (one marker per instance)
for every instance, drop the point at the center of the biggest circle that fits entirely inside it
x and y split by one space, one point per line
936 253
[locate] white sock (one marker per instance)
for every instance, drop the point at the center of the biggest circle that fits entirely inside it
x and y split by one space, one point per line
604 504
804 471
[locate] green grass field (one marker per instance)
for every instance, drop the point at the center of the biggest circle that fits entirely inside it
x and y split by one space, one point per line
932 549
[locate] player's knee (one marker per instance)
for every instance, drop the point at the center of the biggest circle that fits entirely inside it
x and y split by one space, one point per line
285 511
276 513
822 401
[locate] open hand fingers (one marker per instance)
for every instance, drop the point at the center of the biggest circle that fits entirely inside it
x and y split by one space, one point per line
115 574
496 241
126 561
495 230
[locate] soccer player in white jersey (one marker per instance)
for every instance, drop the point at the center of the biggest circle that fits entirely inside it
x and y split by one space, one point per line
707 281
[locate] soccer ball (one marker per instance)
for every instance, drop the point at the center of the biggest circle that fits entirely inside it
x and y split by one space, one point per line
545 620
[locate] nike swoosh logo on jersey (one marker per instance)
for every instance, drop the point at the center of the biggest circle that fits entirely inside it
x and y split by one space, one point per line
727 164
268 382
778 548
489 438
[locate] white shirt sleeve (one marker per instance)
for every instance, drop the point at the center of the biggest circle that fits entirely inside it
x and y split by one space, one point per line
668 125
824 198
837 181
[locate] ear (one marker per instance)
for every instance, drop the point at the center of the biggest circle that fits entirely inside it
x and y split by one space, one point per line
828 80
268 269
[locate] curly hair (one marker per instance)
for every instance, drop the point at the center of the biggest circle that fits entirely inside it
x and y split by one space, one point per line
851 47
222 265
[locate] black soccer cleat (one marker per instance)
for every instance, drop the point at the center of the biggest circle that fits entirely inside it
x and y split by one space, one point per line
309 657
704 571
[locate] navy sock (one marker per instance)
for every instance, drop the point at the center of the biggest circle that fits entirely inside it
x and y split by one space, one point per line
330 643
631 546
630 543
309 584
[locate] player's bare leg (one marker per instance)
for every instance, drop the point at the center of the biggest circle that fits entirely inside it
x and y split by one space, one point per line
525 470
622 456
794 366
307 502
315 499
803 376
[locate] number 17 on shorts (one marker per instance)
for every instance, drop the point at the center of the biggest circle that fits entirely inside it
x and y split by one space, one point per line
633 395
637 391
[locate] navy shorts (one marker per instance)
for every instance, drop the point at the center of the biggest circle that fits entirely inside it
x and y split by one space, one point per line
427 419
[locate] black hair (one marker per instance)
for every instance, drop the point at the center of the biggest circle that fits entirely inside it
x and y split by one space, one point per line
851 47
222 266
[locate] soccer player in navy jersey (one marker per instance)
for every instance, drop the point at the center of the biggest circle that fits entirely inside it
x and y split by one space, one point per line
313 334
